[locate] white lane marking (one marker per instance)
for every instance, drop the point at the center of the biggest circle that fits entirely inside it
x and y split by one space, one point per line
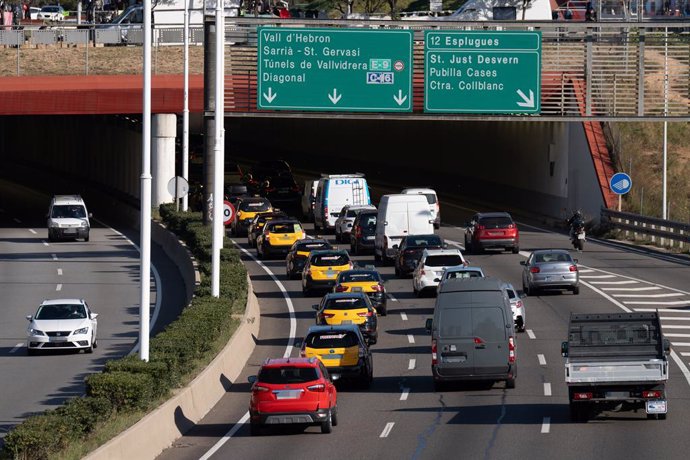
615 282
631 279
662 310
668 326
54 256
547 389
403 315
546 425
456 244
225 438
530 334
288 350
405 393
631 289
58 287
587 270
16 347
542 360
387 430
412 364
393 299
649 302
592 277
680 344
17 220
685 353
32 231
650 296
682 336
59 270
679 363
524 254
671 318
45 243
410 338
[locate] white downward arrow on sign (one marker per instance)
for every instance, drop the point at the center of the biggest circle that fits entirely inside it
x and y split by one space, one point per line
335 97
528 101
270 96
400 99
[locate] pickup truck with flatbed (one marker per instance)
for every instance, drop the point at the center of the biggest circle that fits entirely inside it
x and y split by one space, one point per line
616 362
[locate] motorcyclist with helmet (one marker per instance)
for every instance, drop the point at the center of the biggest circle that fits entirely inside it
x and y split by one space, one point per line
576 223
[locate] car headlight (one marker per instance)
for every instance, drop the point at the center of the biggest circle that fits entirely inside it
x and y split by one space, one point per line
54 224
83 223
83 330
33 331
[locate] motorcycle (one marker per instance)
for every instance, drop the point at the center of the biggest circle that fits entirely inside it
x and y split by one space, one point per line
577 234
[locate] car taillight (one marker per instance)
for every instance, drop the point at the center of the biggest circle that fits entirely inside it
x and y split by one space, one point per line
573 268
422 272
307 272
327 315
340 288
519 304
325 212
434 357
377 288
358 232
511 226
259 389
480 227
511 350
534 270
365 314
319 387
651 394
582 396
478 341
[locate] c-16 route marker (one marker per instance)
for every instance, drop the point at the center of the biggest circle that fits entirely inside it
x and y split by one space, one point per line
482 72
311 69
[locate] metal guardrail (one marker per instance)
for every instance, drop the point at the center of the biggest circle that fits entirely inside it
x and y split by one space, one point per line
667 231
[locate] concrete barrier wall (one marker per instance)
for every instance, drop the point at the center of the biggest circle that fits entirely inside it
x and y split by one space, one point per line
160 428
180 256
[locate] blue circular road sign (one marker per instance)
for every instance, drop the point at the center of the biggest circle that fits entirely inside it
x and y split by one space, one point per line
620 183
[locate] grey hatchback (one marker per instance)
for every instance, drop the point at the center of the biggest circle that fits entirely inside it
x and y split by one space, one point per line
550 269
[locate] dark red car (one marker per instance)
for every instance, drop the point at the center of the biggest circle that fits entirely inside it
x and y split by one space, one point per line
292 391
489 230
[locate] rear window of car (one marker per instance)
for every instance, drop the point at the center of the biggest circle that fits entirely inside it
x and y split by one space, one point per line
255 206
351 213
329 260
347 303
356 277
312 246
284 228
443 261
464 274
496 222
551 257
285 375
330 339
367 220
423 241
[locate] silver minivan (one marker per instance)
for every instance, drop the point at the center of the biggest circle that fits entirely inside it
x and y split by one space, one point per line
472 333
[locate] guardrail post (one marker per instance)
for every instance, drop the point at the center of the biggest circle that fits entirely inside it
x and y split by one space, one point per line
653 236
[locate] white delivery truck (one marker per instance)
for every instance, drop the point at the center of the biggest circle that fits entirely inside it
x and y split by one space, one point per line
335 191
400 215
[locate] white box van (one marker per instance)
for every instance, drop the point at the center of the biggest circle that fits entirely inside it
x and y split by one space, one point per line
400 215
335 191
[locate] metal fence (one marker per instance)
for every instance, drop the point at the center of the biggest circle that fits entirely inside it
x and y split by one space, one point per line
656 231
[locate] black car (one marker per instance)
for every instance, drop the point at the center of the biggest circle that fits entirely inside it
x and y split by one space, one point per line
284 192
297 257
410 251
363 231
257 225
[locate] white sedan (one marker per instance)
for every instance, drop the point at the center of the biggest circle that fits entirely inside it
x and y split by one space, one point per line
62 324
51 13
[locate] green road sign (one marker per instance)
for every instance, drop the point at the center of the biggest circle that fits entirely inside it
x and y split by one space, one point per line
482 72
334 70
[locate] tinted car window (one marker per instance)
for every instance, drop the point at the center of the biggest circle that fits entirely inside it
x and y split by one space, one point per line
443 261
254 206
284 181
351 213
75 211
421 241
367 220
495 222
455 322
329 339
464 274
281 375
347 303
430 198
329 260
355 277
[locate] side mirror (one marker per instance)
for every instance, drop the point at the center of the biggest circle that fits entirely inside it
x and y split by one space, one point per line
94 315
90 215
667 346
252 379
29 317
523 262
429 323
437 280
315 307
335 377
564 349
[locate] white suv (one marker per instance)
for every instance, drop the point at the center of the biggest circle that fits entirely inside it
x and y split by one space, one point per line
68 218
432 199
431 267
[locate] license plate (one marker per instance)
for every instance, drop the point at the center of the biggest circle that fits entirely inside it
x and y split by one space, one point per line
288 394
370 238
58 339
495 233
617 394
455 359
656 407
286 237
70 230
581 236
346 321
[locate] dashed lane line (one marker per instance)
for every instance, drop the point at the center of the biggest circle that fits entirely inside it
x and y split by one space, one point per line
410 338
16 347
16 220
542 360
412 364
650 296
547 389
403 315
546 425
386 430
648 302
31 230
530 334
45 243
54 256
680 336
672 318
393 299
676 326
615 282
632 289
59 271
594 277
680 344
58 287
405 393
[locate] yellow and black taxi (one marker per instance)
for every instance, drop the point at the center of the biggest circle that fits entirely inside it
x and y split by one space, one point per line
299 252
257 225
343 350
348 308
247 208
366 281
322 269
278 236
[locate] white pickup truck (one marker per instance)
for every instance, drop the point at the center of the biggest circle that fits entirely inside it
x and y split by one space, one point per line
616 362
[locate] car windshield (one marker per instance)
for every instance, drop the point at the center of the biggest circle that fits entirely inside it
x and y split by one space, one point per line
464 274
329 339
74 211
357 277
285 375
312 246
289 227
329 260
422 241
346 303
50 9
447 260
62 311
496 222
255 206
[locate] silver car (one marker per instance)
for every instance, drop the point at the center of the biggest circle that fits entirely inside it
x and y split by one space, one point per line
550 269
518 307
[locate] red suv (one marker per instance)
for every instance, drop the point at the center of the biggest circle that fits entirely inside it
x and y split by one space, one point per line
293 390
492 230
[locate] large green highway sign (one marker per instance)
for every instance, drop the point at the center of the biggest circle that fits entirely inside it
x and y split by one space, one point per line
334 70
482 72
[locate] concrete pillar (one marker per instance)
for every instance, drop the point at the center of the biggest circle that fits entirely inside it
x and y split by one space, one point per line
163 131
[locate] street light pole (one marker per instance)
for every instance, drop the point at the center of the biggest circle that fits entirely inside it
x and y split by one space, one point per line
185 108
219 152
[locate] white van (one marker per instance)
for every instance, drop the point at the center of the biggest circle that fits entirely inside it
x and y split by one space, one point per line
308 199
400 215
335 191
68 218
432 199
